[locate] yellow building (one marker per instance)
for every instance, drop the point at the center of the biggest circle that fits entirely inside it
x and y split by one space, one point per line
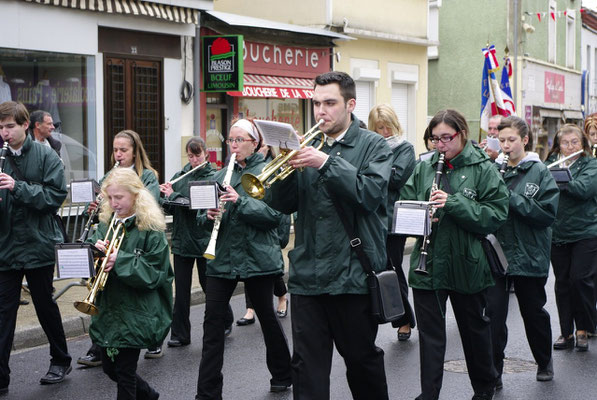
387 59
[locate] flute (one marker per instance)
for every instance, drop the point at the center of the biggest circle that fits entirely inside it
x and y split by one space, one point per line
203 164
210 251
553 164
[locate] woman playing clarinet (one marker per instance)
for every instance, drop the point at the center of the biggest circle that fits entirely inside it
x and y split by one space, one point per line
471 201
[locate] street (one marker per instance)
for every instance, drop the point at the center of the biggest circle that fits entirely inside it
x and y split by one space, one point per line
246 376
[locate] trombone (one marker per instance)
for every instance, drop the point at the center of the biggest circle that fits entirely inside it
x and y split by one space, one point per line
114 236
278 169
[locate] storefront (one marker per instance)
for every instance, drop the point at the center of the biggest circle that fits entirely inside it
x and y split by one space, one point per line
278 75
551 98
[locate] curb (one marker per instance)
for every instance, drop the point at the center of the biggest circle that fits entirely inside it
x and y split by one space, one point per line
33 335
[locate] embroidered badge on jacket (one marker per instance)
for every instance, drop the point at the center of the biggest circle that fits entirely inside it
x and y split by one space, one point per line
530 190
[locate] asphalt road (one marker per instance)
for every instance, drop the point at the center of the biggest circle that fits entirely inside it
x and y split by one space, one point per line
246 377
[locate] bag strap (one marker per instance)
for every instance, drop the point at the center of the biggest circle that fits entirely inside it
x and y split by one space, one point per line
16 169
355 242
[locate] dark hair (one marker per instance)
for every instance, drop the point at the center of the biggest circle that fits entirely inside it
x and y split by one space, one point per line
345 82
565 129
520 126
453 119
15 110
196 145
427 137
37 116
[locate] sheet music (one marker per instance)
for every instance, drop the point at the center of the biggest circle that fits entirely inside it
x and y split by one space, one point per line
82 191
73 262
427 155
278 134
493 143
412 218
203 195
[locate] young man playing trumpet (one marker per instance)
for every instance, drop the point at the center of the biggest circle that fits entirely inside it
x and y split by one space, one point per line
29 199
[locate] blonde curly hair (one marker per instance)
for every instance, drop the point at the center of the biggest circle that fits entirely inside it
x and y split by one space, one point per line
149 215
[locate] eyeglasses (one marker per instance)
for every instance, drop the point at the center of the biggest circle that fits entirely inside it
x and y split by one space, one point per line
443 138
238 140
573 143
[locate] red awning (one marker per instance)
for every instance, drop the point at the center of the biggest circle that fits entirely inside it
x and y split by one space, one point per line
281 87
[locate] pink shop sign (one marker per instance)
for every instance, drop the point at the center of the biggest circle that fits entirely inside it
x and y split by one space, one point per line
555 89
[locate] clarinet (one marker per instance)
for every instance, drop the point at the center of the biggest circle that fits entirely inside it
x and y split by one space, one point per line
92 215
210 251
439 170
3 153
594 148
504 164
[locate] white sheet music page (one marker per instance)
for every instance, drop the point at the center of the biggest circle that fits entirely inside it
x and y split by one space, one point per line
203 195
278 134
82 191
73 262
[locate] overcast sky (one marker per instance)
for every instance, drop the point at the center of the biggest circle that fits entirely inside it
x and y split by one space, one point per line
590 4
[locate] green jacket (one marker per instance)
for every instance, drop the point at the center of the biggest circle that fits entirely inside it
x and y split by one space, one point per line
248 243
403 164
188 239
578 203
526 235
135 307
28 228
150 181
357 174
477 206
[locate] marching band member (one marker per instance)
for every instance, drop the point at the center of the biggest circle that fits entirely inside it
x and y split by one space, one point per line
472 201
526 241
188 240
247 250
129 152
574 240
383 120
32 188
591 134
135 306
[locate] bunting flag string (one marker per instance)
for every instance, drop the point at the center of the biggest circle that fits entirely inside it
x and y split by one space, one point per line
553 14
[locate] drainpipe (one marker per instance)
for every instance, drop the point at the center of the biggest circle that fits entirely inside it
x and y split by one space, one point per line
197 81
515 64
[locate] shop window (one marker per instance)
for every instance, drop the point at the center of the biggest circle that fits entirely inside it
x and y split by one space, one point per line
282 110
64 86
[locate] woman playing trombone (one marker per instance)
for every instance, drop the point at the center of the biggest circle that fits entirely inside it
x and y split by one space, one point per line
471 201
574 240
188 239
247 250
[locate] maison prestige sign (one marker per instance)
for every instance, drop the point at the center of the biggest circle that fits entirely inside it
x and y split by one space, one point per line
222 63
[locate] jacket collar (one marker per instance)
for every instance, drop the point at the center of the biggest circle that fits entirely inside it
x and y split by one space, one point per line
470 154
250 161
352 134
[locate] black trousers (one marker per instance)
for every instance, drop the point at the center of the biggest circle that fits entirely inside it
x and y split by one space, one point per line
319 323
183 276
210 381
48 314
530 292
123 370
574 268
279 290
395 250
475 334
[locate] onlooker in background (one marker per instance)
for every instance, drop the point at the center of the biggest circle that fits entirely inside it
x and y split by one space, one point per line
591 134
492 149
383 120
41 128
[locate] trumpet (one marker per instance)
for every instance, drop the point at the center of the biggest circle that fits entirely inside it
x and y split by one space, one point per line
114 236
210 251
278 169
3 153
98 200
439 170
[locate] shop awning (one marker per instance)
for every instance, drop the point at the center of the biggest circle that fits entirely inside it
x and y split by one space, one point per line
183 15
573 114
548 113
280 87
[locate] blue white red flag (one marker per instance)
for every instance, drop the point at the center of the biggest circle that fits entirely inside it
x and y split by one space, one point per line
492 102
505 87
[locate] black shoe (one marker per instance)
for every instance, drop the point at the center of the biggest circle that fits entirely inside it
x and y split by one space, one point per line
545 374
56 374
404 336
90 360
228 330
582 342
177 343
483 395
23 302
283 313
499 384
245 321
154 353
277 388
563 343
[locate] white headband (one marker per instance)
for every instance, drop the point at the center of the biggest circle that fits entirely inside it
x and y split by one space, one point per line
248 127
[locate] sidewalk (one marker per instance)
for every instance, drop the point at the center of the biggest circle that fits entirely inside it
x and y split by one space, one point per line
28 332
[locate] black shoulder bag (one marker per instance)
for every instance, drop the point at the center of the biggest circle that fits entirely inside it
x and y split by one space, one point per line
57 217
384 288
